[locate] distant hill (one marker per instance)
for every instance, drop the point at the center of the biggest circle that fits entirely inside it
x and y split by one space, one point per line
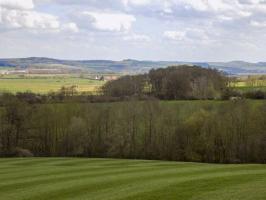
130 66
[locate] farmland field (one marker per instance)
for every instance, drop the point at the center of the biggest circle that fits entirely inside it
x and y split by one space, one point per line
46 84
244 86
78 178
248 83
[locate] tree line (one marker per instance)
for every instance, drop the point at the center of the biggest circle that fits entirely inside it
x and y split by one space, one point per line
200 131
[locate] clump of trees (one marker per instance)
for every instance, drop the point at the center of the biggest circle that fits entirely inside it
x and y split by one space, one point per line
187 82
176 82
126 86
209 131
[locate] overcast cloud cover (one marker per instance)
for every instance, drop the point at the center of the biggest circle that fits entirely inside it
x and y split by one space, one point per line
191 30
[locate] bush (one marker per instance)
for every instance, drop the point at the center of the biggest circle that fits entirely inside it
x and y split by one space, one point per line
228 93
255 94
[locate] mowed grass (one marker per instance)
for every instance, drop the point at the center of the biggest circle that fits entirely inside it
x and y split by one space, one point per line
110 179
47 84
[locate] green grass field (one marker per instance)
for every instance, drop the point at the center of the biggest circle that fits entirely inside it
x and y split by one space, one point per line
44 84
247 88
243 85
106 179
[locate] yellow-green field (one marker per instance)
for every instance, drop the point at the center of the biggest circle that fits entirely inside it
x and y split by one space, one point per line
247 83
45 84
244 86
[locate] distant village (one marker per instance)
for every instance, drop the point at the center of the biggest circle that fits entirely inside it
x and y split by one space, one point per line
57 71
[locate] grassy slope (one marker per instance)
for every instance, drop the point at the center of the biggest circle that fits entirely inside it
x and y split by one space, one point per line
66 178
46 84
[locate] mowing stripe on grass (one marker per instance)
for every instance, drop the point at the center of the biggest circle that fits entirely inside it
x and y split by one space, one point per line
111 179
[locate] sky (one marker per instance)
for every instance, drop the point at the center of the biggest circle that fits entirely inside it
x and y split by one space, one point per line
174 30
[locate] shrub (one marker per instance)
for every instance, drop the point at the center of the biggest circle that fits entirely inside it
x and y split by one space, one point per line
255 94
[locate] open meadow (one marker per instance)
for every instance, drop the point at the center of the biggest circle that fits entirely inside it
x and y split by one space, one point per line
249 83
45 84
110 179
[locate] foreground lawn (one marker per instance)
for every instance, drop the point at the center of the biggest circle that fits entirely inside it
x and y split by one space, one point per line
104 179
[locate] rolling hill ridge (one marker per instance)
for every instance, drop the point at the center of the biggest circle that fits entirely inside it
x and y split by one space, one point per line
130 66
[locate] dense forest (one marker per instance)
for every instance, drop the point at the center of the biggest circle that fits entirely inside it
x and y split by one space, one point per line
203 131
143 127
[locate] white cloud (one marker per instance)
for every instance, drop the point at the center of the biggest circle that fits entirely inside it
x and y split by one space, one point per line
71 27
224 18
189 36
107 21
137 38
251 1
214 26
136 2
19 14
194 4
17 4
258 24
175 35
228 8
28 19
